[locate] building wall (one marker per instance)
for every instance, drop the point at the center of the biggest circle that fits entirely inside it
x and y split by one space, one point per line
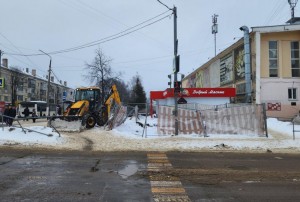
227 69
32 88
274 90
214 69
284 52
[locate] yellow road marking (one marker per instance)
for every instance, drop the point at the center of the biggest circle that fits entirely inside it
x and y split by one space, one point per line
156 154
158 161
167 190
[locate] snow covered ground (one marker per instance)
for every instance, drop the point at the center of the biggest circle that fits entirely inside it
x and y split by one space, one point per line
132 137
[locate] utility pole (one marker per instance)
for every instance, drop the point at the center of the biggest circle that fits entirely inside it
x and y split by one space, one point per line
1 53
214 30
48 88
176 65
175 69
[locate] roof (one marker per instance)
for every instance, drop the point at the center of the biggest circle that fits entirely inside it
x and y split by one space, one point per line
277 28
26 72
294 20
88 88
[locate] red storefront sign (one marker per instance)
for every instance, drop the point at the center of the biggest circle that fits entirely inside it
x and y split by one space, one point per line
194 92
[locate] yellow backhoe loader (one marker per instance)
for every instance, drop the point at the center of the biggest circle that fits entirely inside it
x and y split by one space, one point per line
87 110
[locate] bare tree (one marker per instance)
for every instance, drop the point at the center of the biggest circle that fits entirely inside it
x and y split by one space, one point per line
100 73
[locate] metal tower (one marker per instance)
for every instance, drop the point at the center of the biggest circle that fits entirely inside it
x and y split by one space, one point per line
293 4
214 29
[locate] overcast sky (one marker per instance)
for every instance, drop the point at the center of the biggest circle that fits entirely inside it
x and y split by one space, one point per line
51 25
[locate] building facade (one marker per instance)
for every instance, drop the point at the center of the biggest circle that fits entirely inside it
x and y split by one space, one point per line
274 70
22 85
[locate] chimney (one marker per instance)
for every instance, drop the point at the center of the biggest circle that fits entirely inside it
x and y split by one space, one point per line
52 78
33 72
65 83
27 70
46 76
5 62
247 58
60 81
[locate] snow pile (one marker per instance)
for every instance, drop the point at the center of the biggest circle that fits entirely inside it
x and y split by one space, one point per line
131 136
33 135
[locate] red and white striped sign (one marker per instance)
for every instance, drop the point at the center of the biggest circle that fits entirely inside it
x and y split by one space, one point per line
274 106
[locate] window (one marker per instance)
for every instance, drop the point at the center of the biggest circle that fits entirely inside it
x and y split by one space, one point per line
292 93
273 59
295 59
20 98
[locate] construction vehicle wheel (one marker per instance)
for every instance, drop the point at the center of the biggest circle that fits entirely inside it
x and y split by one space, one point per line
90 121
101 121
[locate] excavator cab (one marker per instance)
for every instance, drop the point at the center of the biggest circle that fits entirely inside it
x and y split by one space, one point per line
90 94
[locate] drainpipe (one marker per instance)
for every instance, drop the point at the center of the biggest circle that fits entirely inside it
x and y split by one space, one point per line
247 63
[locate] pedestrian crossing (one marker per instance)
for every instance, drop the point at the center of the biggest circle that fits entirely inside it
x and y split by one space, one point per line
165 188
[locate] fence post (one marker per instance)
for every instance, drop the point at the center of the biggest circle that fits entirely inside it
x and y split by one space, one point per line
265 118
293 129
145 124
2 123
136 112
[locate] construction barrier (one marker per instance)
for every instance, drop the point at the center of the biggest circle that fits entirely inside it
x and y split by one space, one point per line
119 116
189 121
234 120
248 119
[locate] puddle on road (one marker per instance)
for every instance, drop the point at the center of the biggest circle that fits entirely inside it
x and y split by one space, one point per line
130 169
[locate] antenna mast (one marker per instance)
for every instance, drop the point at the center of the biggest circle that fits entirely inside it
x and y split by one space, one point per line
293 4
214 29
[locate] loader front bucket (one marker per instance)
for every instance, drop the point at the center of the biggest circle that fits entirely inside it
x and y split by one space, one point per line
67 126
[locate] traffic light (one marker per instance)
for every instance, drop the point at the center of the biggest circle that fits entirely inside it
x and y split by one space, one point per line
177 86
170 82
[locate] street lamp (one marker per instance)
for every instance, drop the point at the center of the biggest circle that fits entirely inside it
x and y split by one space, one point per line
48 88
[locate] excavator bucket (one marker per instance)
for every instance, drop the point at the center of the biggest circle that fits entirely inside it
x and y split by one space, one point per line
73 119
67 126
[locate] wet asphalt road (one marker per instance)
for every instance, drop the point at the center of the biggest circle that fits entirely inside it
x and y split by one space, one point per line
148 176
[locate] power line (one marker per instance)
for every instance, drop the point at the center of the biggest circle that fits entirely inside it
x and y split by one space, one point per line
16 58
98 11
17 48
275 11
86 8
106 39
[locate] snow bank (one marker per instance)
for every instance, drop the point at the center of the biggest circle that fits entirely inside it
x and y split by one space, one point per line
130 136
32 135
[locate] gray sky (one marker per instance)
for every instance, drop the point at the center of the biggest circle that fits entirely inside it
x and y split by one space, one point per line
52 25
